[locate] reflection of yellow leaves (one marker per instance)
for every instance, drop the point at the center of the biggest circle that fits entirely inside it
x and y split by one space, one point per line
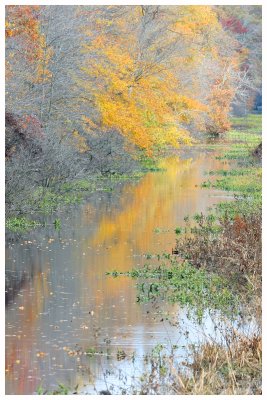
17 361
141 205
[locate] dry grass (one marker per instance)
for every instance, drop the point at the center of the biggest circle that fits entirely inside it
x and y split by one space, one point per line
216 369
230 366
236 250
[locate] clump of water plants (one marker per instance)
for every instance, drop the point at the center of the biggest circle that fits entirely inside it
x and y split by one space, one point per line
91 351
57 224
184 284
60 390
21 224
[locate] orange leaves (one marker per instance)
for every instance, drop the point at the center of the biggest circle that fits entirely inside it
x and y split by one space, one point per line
220 99
79 142
98 42
22 24
22 20
9 31
240 225
88 123
218 112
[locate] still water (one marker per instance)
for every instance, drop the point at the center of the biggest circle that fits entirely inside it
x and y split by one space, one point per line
59 301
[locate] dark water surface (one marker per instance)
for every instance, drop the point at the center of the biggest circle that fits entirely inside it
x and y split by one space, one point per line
60 303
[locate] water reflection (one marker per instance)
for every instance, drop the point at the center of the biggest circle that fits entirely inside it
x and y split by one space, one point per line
58 297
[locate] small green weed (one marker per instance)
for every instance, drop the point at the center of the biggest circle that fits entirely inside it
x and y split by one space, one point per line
90 352
57 224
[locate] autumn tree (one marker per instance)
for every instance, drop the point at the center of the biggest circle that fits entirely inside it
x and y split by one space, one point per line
242 24
153 73
132 75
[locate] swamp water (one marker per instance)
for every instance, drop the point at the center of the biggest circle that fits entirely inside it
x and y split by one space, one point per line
60 303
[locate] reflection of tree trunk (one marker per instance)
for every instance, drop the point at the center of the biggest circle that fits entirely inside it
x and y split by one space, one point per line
44 65
258 151
13 287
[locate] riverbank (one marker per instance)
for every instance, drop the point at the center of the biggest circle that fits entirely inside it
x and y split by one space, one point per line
47 201
216 266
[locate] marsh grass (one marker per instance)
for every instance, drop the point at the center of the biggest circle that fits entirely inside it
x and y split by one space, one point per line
228 365
232 368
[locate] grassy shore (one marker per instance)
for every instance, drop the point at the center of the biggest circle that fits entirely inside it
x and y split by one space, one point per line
47 201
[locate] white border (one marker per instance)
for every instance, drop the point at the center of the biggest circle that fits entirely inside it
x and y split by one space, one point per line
2 235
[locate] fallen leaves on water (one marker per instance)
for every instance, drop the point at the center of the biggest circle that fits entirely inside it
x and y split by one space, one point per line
41 354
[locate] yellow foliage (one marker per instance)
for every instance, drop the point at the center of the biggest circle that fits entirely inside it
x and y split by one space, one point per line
136 95
134 81
192 20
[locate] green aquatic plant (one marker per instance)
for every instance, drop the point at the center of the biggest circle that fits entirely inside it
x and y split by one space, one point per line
148 256
60 390
184 284
149 164
91 351
21 224
120 355
57 224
